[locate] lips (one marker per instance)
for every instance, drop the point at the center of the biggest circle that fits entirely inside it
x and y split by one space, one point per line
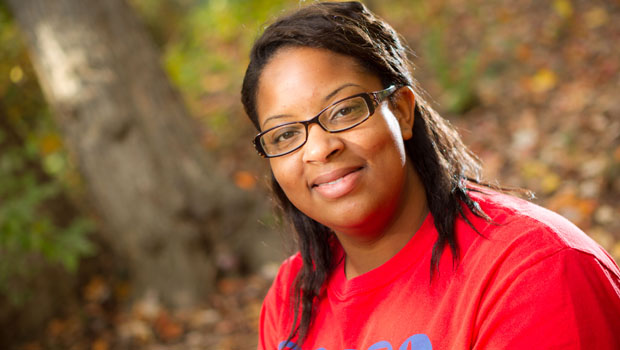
337 183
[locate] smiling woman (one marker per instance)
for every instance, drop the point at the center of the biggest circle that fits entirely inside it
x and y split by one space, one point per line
378 185
350 181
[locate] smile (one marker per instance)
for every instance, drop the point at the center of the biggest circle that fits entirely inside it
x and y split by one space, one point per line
337 183
331 183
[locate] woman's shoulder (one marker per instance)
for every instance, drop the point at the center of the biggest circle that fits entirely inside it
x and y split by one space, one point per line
285 278
521 226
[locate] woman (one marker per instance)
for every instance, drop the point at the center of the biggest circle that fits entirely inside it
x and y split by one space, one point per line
400 245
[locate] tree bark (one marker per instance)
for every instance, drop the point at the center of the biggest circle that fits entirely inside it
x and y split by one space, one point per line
159 199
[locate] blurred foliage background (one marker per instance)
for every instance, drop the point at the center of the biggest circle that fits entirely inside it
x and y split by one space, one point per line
35 175
533 86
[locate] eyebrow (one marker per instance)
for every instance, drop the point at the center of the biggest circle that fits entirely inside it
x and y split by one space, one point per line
326 98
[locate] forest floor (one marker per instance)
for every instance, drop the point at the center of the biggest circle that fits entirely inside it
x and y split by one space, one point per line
546 117
228 321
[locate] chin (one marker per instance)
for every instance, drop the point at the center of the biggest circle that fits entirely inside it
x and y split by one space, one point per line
365 223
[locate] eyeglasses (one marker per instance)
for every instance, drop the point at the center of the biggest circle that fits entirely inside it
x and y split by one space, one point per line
339 116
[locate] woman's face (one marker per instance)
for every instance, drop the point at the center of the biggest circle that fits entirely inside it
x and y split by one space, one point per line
350 181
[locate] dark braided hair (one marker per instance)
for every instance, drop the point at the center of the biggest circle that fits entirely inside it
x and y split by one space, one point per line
444 164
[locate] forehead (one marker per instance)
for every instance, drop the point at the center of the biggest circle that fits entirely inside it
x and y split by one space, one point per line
296 80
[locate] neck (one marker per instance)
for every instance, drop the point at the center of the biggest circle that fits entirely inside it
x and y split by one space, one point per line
369 251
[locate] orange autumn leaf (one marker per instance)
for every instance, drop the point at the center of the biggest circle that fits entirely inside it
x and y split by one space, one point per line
245 180
576 209
100 344
523 52
617 154
96 290
167 329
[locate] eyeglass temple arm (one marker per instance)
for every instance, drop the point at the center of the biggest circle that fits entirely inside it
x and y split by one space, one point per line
381 95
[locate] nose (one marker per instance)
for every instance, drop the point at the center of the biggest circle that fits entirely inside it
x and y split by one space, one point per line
321 145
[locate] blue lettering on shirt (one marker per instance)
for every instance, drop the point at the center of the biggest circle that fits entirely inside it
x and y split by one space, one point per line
414 342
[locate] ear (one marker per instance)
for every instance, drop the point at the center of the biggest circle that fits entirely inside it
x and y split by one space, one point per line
404 110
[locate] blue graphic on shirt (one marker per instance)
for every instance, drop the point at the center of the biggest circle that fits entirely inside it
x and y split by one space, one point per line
414 342
417 342
382 345
284 345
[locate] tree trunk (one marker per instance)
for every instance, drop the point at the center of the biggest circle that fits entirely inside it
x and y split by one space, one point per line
159 200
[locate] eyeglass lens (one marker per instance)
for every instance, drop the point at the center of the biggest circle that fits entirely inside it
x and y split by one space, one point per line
340 116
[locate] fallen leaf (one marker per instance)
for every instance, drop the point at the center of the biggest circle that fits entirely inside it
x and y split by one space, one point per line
606 214
543 81
596 17
97 290
167 329
100 344
576 209
564 8
203 318
230 285
550 182
148 308
245 180
136 330
523 52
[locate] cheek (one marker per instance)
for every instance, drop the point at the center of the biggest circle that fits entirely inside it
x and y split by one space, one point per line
287 173
392 138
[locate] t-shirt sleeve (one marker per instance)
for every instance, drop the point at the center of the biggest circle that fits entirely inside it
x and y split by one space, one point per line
567 300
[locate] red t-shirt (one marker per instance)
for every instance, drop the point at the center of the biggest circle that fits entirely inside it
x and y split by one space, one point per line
534 281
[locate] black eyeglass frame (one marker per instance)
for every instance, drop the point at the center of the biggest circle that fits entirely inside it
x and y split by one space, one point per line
372 99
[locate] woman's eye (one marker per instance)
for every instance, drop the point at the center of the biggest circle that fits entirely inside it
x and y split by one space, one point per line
347 111
343 112
284 136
